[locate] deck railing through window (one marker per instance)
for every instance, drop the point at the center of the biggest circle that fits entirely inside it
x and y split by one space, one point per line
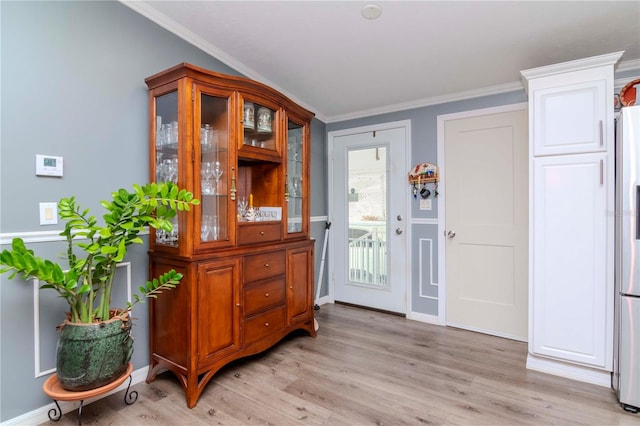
368 260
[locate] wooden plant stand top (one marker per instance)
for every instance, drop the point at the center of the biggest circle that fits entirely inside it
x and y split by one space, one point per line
55 391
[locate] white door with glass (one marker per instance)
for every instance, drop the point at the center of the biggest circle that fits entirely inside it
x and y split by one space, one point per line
369 216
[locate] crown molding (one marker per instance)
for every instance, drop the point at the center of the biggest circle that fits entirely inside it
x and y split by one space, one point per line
633 64
579 64
435 100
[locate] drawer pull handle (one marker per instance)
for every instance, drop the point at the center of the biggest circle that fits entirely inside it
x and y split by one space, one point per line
266 265
291 287
261 232
266 295
266 324
238 305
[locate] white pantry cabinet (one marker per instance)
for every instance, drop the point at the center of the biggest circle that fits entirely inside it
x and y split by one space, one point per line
570 269
571 225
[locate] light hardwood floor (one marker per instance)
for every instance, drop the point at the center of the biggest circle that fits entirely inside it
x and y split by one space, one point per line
370 368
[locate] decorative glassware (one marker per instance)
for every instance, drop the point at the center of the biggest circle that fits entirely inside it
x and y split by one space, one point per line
248 116
206 173
209 228
264 120
217 174
242 207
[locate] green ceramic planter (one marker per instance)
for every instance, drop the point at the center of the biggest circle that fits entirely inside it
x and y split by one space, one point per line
93 355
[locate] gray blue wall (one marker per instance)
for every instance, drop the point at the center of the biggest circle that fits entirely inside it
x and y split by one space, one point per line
73 85
424 223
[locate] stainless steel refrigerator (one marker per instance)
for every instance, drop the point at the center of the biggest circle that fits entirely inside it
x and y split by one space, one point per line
626 368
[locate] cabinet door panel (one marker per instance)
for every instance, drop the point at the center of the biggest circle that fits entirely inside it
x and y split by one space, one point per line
170 316
570 276
218 314
212 172
570 119
299 283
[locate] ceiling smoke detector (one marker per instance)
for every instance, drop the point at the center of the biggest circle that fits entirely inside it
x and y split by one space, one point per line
371 11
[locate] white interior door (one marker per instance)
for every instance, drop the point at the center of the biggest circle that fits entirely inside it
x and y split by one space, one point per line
486 223
369 206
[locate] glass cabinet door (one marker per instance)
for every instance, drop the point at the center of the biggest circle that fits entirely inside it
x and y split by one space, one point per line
166 153
294 185
259 124
213 175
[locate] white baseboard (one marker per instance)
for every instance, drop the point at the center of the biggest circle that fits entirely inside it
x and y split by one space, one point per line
430 319
40 415
570 371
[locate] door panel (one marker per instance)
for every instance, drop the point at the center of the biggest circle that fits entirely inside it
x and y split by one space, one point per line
570 230
486 214
369 219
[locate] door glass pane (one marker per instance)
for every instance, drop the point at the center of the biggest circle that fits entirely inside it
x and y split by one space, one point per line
214 168
259 126
367 212
166 144
294 177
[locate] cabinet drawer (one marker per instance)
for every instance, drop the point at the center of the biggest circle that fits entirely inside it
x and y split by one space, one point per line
256 233
264 295
264 265
263 325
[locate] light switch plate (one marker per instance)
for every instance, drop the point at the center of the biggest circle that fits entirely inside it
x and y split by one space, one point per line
48 165
48 213
425 204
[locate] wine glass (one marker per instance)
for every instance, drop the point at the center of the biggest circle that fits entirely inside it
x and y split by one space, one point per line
172 170
217 174
206 228
168 170
242 206
295 186
206 173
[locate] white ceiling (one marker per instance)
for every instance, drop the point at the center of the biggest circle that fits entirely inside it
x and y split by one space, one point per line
326 56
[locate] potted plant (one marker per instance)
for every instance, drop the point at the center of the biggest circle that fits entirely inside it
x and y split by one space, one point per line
86 281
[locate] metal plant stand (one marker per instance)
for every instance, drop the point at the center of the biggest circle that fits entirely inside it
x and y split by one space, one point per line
54 390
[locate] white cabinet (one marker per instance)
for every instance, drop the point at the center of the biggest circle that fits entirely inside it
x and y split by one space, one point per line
571 225
570 300
570 119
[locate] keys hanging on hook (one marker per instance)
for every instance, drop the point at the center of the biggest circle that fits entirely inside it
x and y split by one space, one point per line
415 191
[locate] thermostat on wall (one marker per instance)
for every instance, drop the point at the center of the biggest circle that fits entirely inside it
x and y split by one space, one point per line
48 165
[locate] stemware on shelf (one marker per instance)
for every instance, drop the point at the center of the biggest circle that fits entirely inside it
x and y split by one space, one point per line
207 173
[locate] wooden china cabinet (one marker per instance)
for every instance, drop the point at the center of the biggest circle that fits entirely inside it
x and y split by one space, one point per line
245 252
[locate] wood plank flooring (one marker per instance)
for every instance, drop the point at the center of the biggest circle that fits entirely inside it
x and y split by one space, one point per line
371 368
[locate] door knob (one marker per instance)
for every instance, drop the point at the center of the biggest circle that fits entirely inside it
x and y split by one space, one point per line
398 231
451 234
